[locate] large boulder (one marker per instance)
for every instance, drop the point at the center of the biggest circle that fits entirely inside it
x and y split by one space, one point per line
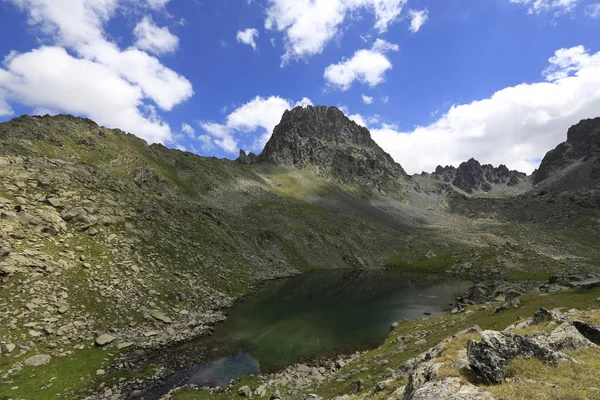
490 356
565 337
590 331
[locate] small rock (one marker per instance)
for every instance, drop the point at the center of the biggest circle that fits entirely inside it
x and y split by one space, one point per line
124 345
100 372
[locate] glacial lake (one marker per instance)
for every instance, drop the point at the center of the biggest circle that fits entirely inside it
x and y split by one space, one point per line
315 315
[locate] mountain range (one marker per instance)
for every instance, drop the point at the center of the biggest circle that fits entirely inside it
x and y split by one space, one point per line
106 238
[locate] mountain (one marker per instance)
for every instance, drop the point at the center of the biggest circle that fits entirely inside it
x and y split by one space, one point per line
573 164
473 178
107 242
324 139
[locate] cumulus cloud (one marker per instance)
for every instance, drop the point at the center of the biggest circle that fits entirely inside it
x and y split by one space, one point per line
154 39
95 78
367 99
515 126
367 66
417 19
309 25
260 115
558 7
248 36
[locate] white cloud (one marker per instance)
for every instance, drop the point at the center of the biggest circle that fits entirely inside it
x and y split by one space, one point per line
157 4
366 66
593 10
417 19
5 108
49 77
309 25
515 126
187 130
385 99
95 77
154 39
259 115
558 7
248 36
367 99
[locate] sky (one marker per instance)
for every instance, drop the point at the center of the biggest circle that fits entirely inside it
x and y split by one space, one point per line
436 81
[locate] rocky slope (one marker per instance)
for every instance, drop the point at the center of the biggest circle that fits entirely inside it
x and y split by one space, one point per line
335 146
473 178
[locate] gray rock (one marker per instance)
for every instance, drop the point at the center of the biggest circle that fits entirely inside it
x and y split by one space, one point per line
261 391
104 339
565 337
587 284
160 316
543 315
449 389
490 356
36 361
7 348
245 391
357 386
422 374
590 331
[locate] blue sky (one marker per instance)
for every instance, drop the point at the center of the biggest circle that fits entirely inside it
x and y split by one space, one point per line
436 82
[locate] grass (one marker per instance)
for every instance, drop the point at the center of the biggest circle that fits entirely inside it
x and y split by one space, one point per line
68 377
566 381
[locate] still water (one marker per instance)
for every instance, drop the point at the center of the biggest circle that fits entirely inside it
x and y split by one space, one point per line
313 315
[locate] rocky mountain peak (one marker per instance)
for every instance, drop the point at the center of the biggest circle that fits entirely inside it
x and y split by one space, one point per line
326 139
583 143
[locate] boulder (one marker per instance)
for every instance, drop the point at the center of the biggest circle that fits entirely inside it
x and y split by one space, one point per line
587 284
160 316
105 339
490 356
565 337
7 348
422 374
590 331
357 386
36 361
245 391
543 315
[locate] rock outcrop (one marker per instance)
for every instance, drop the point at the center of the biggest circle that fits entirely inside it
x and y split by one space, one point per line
335 146
490 356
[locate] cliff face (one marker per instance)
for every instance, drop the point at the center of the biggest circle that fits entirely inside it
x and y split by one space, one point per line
578 158
324 138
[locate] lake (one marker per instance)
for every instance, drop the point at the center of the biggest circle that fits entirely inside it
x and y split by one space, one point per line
314 315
